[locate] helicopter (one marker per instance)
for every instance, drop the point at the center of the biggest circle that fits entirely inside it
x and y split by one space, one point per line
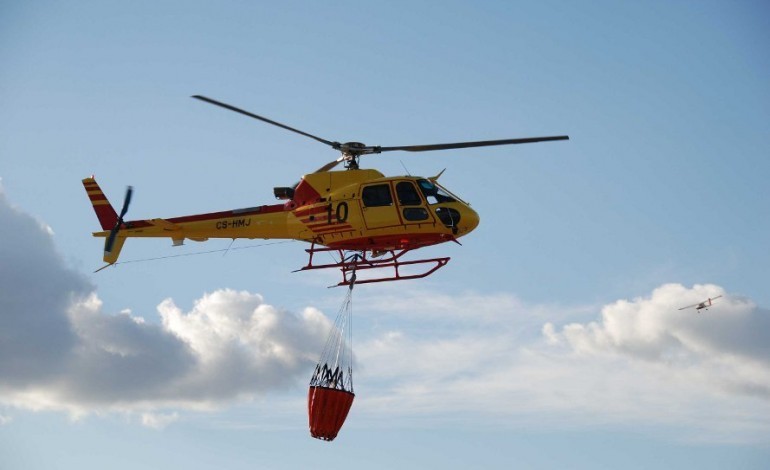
365 219
702 305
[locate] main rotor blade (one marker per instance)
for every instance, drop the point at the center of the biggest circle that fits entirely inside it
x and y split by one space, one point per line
335 145
329 166
462 145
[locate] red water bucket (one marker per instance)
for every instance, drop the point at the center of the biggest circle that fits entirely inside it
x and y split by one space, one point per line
327 409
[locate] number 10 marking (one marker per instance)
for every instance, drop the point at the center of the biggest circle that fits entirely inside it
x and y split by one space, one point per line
341 212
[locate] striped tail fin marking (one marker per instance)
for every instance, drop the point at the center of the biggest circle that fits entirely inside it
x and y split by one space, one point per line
104 210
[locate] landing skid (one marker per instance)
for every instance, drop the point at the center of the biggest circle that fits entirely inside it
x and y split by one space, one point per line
363 260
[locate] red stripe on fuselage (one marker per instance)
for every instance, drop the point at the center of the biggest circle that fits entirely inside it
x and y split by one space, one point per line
315 220
212 216
226 214
304 212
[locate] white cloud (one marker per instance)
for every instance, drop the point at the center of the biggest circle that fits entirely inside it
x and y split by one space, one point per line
230 347
60 349
36 289
643 363
158 420
729 344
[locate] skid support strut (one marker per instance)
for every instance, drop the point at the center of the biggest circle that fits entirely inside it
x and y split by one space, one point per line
367 260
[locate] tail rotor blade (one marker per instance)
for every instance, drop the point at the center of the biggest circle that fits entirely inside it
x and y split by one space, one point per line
111 238
108 244
126 202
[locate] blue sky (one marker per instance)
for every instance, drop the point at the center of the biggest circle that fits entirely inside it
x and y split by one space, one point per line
552 339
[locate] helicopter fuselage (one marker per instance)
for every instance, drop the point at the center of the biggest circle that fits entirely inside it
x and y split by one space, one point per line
358 210
381 218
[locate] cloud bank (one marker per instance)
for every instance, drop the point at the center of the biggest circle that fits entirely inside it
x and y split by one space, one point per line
60 350
638 363
424 356
730 343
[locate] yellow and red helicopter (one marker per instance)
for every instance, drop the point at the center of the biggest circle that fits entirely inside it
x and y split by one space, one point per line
368 220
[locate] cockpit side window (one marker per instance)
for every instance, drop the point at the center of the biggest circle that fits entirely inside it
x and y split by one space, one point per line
407 195
433 193
377 195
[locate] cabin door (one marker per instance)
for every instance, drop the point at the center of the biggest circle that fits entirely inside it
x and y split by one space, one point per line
378 207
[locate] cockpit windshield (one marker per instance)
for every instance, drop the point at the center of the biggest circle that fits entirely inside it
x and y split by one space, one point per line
434 193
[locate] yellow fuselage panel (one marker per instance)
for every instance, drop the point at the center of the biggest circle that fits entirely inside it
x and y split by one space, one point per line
270 225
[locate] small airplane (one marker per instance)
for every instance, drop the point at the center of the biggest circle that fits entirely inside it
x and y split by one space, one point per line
369 220
703 305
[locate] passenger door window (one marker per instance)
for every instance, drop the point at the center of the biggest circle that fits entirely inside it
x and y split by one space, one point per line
377 195
407 194
408 198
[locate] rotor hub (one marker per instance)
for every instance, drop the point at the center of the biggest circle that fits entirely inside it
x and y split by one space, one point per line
353 148
351 151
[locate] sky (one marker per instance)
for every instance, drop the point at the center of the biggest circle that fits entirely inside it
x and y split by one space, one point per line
552 339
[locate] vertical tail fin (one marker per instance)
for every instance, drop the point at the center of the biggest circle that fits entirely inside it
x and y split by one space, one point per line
104 210
107 216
